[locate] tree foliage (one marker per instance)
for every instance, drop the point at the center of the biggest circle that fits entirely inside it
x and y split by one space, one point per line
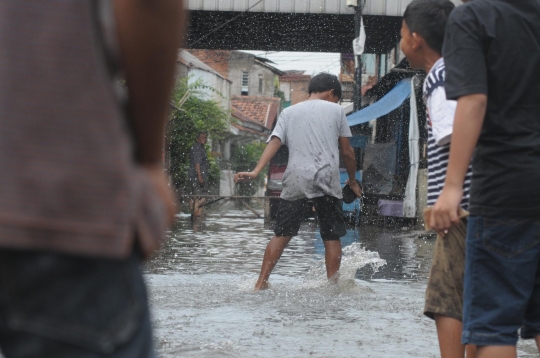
191 115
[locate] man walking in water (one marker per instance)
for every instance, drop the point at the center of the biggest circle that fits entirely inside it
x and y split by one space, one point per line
317 133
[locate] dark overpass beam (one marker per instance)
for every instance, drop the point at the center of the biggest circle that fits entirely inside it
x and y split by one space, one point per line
289 32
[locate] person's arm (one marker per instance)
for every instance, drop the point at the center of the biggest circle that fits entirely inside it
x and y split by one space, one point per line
271 149
199 174
349 160
198 158
470 113
149 34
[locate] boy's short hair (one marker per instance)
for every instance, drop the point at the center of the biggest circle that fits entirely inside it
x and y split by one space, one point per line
323 82
428 19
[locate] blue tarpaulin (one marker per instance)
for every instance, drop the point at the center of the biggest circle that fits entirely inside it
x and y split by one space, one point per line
359 141
385 105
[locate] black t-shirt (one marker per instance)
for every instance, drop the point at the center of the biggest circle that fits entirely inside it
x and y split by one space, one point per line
492 47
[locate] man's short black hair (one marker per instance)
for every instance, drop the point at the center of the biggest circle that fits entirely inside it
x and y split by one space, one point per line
428 19
325 82
200 133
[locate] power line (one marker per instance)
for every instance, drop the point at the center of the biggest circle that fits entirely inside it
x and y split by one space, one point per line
223 25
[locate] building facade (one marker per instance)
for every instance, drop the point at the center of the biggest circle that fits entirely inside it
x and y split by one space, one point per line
294 85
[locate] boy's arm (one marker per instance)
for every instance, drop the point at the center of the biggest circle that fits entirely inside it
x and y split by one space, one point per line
347 154
469 118
149 35
271 149
199 173
441 113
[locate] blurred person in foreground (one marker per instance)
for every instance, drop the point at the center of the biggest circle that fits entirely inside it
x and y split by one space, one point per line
83 194
422 35
198 174
317 133
492 55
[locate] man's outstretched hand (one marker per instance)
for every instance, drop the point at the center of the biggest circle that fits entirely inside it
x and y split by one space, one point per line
242 177
355 188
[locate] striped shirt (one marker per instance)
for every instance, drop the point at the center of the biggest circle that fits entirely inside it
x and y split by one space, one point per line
440 120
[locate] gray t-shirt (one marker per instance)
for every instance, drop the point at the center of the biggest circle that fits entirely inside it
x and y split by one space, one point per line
198 156
311 130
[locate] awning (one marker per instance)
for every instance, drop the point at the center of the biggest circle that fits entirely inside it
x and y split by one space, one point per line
385 105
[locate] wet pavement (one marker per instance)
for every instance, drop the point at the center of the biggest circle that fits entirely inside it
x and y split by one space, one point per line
201 290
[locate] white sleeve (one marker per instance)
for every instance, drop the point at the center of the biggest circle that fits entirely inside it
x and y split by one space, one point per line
441 113
344 130
279 130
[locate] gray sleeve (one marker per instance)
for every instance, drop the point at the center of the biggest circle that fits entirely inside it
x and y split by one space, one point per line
279 130
344 130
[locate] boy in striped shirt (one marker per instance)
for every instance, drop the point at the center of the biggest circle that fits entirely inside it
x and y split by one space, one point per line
422 35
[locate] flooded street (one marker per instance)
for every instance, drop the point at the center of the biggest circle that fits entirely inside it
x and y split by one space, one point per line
201 286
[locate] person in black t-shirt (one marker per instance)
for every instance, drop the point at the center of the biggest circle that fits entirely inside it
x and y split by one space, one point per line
492 55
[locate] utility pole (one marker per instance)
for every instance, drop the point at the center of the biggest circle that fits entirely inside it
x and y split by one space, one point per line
357 95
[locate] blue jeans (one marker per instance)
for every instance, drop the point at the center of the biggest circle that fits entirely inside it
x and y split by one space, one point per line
55 305
502 280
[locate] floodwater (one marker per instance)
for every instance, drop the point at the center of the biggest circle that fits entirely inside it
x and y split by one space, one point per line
201 286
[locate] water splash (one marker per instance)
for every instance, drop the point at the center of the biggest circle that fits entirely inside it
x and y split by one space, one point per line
353 258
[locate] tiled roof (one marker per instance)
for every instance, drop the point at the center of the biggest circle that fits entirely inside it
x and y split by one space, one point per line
256 127
264 110
294 77
191 61
217 59
236 113
249 130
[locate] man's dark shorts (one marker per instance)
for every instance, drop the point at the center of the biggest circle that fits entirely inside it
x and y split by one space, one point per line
329 211
55 305
197 188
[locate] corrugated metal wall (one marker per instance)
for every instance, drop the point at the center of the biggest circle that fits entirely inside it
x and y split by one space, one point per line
302 6
372 7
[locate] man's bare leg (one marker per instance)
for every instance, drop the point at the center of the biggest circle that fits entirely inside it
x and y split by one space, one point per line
537 338
470 350
197 211
449 334
332 255
273 252
200 207
496 352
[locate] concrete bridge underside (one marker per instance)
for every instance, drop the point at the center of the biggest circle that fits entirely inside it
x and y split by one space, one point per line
267 31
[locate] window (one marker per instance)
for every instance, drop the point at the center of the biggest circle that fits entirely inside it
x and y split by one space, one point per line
245 83
260 83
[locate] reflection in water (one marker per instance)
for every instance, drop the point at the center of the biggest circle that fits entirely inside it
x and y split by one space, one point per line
235 244
201 289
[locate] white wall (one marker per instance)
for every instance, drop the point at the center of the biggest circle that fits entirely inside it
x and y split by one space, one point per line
214 81
285 87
